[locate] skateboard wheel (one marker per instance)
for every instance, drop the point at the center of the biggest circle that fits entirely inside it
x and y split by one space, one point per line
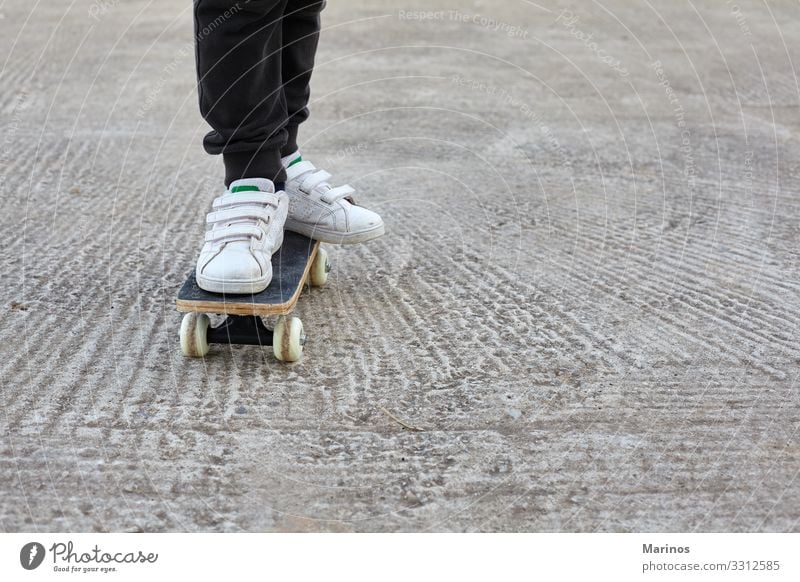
320 269
194 335
288 339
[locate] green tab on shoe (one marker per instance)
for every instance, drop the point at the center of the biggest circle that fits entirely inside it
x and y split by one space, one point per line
293 162
245 189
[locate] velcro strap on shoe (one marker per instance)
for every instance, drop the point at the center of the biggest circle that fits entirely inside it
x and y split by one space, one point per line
234 231
337 193
299 169
239 213
314 180
246 198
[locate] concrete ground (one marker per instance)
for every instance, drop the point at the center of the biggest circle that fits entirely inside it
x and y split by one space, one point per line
586 301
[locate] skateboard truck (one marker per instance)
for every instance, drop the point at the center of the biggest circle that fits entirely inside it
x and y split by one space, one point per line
243 330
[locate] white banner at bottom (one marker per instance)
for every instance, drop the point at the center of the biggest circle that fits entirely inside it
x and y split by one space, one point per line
401 557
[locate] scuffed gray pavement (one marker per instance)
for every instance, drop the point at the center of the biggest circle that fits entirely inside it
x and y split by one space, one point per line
586 302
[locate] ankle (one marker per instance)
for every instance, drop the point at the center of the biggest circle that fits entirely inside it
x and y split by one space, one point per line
259 164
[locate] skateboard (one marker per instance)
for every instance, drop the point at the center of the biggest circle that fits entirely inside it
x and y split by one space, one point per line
300 261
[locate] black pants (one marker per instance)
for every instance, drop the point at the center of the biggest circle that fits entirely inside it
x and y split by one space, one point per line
254 63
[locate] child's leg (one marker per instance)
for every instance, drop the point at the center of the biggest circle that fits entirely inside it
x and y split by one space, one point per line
316 208
239 81
300 37
239 84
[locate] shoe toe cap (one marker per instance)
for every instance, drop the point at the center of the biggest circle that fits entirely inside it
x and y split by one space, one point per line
361 219
232 265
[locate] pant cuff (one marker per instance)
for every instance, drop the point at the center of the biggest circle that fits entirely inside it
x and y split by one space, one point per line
254 164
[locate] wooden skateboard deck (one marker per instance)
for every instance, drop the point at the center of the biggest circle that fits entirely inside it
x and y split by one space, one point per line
299 261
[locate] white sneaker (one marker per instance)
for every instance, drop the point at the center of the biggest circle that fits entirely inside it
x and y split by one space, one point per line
246 229
322 212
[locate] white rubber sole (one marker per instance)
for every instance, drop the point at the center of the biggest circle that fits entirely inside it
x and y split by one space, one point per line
334 237
234 287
